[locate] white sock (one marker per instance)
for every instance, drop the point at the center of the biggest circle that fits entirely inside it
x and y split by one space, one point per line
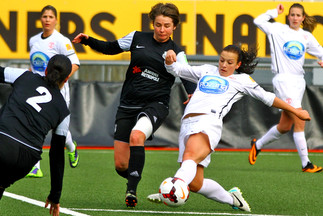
301 145
271 135
37 165
214 191
187 171
69 142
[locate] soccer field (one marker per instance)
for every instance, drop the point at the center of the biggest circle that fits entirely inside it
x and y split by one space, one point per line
275 185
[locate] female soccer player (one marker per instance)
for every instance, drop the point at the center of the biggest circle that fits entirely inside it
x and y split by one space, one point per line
145 93
288 44
218 88
34 107
42 47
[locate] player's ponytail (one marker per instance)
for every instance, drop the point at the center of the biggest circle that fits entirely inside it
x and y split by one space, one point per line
309 22
58 69
247 58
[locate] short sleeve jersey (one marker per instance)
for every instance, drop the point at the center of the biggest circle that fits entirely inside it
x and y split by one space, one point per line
32 110
42 49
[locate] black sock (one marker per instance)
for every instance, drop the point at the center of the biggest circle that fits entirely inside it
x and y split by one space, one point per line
136 165
123 174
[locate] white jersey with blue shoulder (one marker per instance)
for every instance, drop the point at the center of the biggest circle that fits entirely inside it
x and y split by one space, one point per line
215 93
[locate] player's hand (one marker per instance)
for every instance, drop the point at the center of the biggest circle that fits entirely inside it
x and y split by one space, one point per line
320 63
170 57
280 8
53 208
188 99
79 38
303 114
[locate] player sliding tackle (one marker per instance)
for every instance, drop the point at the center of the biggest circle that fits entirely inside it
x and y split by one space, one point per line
217 90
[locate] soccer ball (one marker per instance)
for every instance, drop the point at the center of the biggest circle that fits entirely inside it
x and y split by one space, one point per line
174 192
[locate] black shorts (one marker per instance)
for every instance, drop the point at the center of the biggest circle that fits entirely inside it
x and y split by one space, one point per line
127 118
16 160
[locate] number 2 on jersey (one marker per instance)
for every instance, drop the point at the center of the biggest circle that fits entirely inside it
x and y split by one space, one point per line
45 97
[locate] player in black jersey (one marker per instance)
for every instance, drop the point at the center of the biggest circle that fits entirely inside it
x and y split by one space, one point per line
34 107
146 90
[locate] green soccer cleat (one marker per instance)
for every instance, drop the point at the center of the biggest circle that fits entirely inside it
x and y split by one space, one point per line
74 157
35 173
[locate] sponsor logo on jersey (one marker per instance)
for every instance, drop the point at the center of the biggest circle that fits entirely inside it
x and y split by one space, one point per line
150 75
136 69
294 50
39 61
68 46
213 84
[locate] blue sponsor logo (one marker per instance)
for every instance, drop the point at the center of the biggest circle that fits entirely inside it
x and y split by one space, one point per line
39 61
213 84
294 50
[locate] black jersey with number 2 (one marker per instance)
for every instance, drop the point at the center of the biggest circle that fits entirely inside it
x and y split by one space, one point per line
32 109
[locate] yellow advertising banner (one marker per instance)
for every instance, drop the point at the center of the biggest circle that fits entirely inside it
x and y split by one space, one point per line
206 26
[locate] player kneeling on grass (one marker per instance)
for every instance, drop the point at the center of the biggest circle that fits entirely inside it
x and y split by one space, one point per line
218 88
34 107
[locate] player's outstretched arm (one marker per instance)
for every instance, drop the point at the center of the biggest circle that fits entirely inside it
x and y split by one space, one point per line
302 114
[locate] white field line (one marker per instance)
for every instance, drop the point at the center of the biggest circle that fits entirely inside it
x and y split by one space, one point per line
172 212
74 213
42 204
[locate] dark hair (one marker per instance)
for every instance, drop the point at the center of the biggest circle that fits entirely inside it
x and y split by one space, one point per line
49 7
58 69
309 22
165 9
245 57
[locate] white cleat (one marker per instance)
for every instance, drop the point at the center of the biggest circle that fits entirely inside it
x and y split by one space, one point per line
238 201
154 198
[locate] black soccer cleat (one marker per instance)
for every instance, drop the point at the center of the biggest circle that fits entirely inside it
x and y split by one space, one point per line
131 199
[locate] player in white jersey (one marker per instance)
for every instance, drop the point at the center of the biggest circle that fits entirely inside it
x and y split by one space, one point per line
288 45
218 88
42 47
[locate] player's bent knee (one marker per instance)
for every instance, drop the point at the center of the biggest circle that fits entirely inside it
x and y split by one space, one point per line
137 138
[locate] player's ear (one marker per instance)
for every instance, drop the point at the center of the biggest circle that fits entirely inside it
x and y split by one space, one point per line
238 65
46 72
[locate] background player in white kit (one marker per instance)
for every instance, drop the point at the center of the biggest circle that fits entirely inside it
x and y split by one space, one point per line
288 45
42 47
218 88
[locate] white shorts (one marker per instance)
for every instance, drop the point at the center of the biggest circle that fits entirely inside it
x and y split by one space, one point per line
208 124
290 88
